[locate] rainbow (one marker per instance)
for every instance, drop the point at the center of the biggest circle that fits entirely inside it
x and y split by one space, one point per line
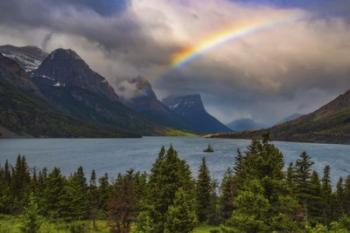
229 33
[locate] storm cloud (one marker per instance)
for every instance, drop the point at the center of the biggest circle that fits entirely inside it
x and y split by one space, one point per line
291 68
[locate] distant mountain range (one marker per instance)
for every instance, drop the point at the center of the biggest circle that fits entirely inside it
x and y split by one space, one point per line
182 112
328 124
75 101
244 124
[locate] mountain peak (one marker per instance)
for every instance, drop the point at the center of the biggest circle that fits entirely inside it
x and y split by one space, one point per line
65 54
192 109
28 57
185 102
65 68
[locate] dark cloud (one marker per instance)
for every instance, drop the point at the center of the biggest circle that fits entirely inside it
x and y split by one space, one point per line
268 76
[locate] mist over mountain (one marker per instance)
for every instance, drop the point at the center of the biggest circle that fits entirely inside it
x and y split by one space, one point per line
138 94
245 124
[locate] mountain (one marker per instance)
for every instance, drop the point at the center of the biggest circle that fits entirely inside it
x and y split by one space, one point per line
23 112
12 72
72 87
67 69
138 94
328 124
28 57
291 117
191 109
244 124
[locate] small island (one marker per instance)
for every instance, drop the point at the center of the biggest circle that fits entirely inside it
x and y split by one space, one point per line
209 149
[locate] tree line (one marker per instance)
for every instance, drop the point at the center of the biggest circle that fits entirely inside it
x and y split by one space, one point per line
255 195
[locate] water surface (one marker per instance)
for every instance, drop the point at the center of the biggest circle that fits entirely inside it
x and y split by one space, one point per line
118 155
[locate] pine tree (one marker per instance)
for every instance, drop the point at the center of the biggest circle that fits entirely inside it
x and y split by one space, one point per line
5 191
251 212
227 195
104 192
180 216
291 176
79 194
327 196
340 199
20 183
263 202
93 199
302 182
168 174
239 163
31 218
203 192
54 194
315 200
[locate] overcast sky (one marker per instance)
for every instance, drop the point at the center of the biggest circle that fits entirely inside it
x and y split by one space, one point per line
266 75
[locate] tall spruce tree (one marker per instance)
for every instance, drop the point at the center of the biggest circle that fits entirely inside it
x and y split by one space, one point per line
168 174
54 194
327 196
203 192
315 200
104 193
20 183
180 216
263 203
291 176
339 199
227 191
31 219
93 199
77 196
303 170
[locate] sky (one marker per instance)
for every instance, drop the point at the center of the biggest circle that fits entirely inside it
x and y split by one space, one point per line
293 57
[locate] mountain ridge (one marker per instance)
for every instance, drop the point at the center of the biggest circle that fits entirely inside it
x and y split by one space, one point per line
328 124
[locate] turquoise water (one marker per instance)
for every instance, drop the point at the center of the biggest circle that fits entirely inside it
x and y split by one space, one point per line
118 155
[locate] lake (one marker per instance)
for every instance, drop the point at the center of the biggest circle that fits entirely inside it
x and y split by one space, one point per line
118 155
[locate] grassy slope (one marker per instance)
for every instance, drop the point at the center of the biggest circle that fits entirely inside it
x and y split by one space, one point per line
9 224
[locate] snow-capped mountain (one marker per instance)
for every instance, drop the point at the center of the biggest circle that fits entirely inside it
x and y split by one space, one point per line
28 57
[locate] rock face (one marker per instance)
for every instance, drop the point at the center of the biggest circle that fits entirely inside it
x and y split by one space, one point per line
66 68
328 124
138 94
244 124
191 109
28 57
